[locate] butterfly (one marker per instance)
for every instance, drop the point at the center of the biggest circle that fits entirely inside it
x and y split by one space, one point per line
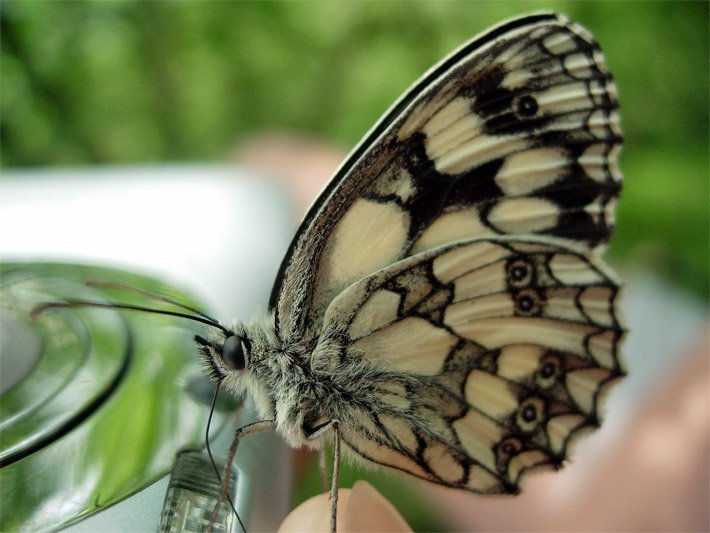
443 308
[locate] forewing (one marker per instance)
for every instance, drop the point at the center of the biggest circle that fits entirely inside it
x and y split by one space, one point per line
515 133
487 358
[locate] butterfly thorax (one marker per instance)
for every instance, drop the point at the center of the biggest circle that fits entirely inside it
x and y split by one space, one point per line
305 386
284 386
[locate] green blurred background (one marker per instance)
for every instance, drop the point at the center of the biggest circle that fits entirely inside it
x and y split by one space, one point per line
136 82
94 83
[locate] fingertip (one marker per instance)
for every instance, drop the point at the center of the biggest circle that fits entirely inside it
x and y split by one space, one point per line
361 508
314 514
368 510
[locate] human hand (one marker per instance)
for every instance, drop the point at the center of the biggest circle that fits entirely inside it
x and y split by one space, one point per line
361 508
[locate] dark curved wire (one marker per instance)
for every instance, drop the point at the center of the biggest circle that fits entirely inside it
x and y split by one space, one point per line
41 308
154 295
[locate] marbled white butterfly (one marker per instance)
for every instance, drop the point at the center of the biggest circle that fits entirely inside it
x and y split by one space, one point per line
443 308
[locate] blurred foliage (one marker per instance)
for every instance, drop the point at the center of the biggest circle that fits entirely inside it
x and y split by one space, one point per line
127 82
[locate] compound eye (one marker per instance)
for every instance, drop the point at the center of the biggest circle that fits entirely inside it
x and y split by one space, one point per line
234 352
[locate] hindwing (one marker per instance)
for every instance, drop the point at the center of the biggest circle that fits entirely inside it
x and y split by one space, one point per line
487 358
516 133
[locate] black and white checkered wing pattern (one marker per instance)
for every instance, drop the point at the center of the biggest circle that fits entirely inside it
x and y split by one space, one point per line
487 358
517 133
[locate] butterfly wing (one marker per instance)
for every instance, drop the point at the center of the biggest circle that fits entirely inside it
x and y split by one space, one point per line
487 357
515 133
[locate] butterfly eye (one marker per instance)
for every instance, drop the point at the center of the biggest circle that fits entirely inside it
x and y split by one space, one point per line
234 352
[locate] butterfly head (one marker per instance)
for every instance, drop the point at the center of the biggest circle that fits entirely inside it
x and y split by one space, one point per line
227 356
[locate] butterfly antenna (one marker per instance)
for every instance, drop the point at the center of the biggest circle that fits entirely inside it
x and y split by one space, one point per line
224 490
154 295
67 304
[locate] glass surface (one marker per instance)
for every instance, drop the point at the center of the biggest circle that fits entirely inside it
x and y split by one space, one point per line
192 495
105 407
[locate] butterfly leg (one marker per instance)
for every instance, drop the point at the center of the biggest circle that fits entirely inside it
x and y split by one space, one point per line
336 474
254 427
323 467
